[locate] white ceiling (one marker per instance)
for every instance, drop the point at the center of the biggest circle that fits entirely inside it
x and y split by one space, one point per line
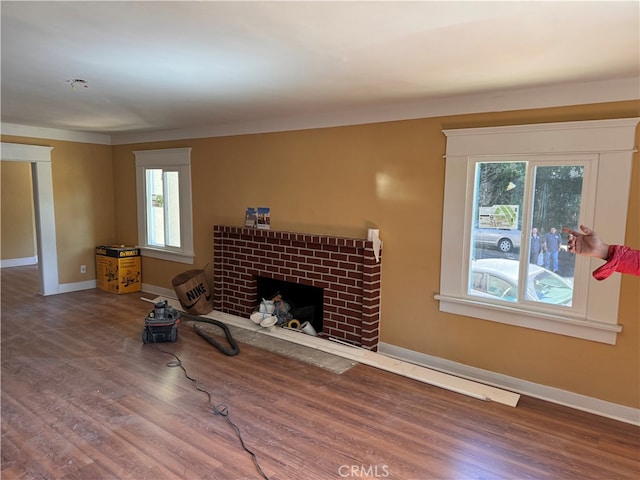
157 66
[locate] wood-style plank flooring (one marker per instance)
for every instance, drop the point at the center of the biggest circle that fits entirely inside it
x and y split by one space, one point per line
84 398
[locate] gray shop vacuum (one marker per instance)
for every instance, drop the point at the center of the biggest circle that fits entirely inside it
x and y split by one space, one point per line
161 325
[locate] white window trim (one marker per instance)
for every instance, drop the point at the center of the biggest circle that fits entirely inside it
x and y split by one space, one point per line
612 141
180 159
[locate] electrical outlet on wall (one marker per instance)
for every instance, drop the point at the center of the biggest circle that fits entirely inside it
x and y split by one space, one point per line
83 269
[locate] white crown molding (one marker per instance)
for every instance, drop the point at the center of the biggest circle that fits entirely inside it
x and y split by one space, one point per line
612 90
54 134
522 99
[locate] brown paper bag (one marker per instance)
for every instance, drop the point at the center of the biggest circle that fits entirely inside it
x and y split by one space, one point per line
193 292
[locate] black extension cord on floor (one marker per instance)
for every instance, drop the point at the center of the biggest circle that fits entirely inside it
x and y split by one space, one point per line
219 409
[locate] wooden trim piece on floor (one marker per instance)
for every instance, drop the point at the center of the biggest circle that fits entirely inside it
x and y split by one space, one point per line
367 357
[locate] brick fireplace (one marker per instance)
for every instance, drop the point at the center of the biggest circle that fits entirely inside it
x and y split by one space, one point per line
345 268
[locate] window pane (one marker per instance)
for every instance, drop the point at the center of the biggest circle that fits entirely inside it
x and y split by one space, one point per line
497 233
172 210
556 203
545 286
496 236
502 288
155 207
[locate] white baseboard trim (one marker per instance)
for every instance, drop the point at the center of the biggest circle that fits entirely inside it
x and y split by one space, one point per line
18 262
159 291
543 392
89 284
76 286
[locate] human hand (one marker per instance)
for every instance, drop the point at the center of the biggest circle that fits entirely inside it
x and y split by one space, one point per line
587 243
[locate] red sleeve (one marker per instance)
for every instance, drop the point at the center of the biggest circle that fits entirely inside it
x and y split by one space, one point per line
621 259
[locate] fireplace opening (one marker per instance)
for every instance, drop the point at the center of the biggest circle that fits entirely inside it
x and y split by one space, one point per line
305 301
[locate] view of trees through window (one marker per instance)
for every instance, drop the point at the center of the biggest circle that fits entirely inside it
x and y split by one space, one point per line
522 205
163 208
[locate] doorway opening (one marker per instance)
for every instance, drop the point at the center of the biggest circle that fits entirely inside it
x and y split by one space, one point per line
40 159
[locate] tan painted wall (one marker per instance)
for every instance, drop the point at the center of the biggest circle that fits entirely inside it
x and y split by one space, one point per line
391 176
83 193
342 181
17 215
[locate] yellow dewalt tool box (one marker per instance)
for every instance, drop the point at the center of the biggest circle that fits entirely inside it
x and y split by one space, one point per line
118 268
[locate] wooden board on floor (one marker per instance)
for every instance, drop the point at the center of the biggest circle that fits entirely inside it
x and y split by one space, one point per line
367 357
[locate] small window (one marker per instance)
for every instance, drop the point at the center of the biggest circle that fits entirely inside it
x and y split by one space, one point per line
164 204
509 191
163 208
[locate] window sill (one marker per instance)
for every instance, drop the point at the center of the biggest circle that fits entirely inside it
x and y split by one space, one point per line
166 255
572 327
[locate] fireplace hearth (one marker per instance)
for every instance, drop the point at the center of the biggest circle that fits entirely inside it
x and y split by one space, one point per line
345 270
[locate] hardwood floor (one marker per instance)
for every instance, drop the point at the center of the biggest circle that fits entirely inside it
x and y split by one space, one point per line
84 398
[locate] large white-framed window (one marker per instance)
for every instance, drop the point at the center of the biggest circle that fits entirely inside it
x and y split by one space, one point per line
163 184
501 183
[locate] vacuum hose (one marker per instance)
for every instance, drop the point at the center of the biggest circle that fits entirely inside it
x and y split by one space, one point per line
234 350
